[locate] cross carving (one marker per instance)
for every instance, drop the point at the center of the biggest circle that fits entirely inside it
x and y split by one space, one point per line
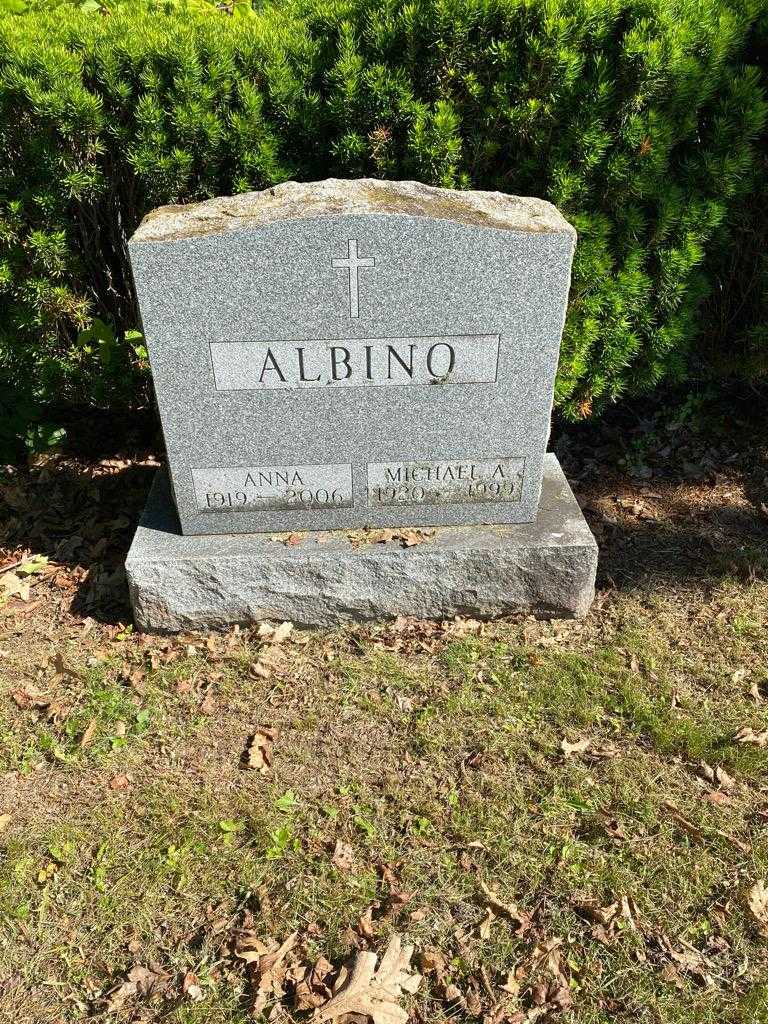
352 263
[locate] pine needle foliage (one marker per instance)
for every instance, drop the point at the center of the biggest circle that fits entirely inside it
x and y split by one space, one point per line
640 119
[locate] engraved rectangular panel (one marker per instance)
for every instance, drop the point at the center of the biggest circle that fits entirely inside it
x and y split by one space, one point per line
357 362
273 487
445 483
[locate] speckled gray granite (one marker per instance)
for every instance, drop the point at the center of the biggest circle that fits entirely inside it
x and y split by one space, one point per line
180 582
344 354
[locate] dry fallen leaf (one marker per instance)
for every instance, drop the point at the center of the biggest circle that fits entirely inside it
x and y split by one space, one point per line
259 751
141 981
509 910
282 632
484 926
312 987
190 987
687 826
265 967
4 821
62 669
552 992
14 586
758 905
30 698
748 735
686 958
364 926
717 777
604 919
432 961
88 733
374 992
275 634
578 747
343 856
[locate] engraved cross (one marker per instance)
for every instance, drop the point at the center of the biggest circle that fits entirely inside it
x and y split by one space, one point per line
352 263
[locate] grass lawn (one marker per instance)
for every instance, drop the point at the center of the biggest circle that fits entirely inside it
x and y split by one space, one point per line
565 819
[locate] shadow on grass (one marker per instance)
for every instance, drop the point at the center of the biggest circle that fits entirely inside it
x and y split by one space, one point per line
82 516
681 545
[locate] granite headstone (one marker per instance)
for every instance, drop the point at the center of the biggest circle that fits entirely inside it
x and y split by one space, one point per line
339 357
354 353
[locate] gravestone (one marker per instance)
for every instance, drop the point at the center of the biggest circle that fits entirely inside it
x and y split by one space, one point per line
345 357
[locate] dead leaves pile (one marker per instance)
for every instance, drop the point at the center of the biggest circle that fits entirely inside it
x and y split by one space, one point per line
372 991
357 991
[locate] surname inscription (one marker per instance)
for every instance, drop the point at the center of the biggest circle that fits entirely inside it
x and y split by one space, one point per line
359 362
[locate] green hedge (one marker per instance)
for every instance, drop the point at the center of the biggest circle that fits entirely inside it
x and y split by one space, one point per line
640 119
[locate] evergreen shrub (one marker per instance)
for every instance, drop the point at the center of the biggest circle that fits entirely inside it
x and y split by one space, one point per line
640 119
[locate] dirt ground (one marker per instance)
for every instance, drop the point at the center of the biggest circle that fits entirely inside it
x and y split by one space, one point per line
565 819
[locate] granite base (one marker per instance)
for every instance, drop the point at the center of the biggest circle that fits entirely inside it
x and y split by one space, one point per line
545 568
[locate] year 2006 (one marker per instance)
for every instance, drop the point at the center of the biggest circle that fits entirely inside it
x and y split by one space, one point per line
291 496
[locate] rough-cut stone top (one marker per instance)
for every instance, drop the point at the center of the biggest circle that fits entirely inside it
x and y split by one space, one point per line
336 197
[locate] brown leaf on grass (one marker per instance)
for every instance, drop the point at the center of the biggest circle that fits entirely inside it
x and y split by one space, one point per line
373 991
696 833
208 704
509 910
5 820
603 751
89 732
687 826
190 987
717 777
432 961
13 586
62 669
259 750
604 919
140 982
270 660
364 926
30 697
119 996
757 901
551 991
484 925
682 956
149 980
343 856
569 749
511 985
748 735
119 782
473 1002
313 986
453 994
265 966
